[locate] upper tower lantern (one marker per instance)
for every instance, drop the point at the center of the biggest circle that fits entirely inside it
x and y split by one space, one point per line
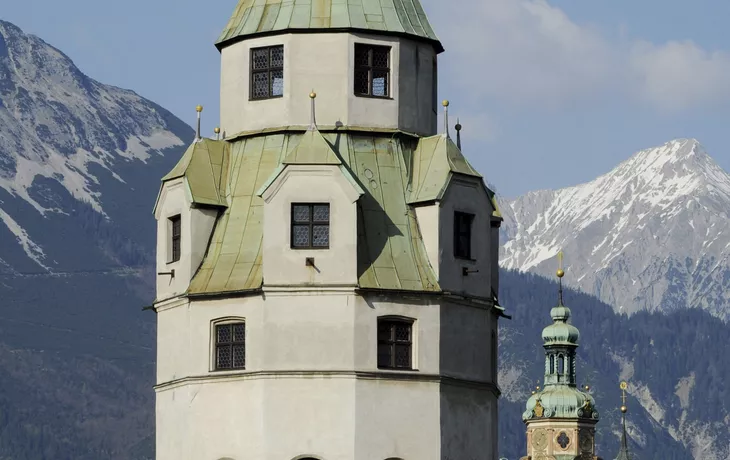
377 58
560 418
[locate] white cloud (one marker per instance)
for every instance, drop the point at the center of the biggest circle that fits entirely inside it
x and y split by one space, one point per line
530 53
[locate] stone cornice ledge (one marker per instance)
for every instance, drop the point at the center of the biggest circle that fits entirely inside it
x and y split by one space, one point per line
406 376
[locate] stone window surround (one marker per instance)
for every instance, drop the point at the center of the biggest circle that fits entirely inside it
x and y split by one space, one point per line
213 342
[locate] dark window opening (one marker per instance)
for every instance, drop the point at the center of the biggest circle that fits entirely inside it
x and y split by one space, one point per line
175 224
462 234
310 226
230 346
372 70
552 364
394 344
561 365
267 72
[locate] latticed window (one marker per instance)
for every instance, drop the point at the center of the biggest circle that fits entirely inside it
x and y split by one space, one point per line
372 70
462 234
310 226
267 72
175 230
395 343
230 346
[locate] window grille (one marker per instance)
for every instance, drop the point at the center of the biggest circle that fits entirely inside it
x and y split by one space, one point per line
310 226
230 346
175 230
395 344
372 70
462 234
267 72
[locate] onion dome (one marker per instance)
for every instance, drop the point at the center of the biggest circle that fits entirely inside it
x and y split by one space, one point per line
560 332
560 401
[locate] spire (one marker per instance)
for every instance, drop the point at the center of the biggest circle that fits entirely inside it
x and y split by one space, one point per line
312 120
198 109
560 273
445 103
623 453
458 133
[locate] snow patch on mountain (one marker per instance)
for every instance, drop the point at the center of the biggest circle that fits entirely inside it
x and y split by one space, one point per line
31 249
650 234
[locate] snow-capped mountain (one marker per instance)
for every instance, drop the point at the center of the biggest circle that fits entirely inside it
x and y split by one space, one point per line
651 234
80 167
58 125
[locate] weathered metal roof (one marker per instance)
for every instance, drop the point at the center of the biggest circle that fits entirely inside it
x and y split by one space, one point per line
434 162
313 149
253 17
391 254
204 166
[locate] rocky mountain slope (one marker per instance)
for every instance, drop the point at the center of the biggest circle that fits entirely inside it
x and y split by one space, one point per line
652 234
80 164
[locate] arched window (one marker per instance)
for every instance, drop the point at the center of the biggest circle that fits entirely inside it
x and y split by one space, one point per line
552 364
561 365
568 363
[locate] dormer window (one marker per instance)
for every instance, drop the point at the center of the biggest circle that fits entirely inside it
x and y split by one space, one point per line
372 70
267 72
462 234
175 230
310 226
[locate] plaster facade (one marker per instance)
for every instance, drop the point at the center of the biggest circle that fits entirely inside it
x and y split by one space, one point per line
325 62
312 355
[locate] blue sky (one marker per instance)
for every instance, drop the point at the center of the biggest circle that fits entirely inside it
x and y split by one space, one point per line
550 93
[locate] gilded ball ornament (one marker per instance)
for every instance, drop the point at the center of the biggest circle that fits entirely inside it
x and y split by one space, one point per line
445 103
560 273
199 108
624 409
217 130
312 95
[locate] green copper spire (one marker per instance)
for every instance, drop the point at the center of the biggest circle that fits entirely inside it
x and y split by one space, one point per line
560 398
623 453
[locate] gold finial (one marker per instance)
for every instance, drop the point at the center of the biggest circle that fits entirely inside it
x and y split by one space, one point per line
624 386
533 391
312 95
587 388
199 108
445 103
217 130
312 116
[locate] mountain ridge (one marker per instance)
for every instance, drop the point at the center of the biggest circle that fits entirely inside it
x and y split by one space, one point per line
649 234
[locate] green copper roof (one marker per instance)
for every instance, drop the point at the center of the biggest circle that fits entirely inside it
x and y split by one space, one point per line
435 161
561 332
391 254
560 401
204 167
253 17
313 149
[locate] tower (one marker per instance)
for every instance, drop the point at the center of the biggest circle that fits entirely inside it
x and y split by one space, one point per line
327 271
560 418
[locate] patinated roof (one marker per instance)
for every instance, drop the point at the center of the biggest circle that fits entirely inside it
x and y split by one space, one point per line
391 254
435 160
313 148
252 17
204 167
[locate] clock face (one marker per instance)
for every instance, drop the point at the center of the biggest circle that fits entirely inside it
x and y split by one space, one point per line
539 439
586 442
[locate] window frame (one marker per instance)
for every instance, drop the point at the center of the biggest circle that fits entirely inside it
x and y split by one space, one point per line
215 344
393 322
268 71
174 240
370 69
311 224
459 252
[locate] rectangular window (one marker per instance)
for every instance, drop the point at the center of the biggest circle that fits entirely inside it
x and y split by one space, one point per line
394 344
267 72
372 70
310 226
230 346
175 229
462 234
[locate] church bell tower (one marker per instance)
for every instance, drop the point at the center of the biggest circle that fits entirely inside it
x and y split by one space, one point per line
560 418
327 267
